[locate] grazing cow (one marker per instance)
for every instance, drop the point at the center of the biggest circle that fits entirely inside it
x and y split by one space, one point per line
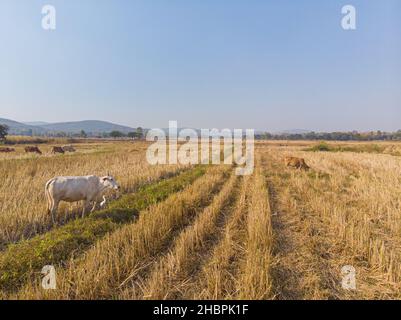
72 189
68 149
57 150
6 150
33 150
294 162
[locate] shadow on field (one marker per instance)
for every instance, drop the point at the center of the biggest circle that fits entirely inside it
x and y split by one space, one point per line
286 284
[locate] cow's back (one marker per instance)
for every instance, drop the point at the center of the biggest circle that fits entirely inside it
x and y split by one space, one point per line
298 163
33 149
57 150
74 188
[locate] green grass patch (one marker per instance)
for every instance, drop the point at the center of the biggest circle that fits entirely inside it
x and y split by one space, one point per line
20 261
325 147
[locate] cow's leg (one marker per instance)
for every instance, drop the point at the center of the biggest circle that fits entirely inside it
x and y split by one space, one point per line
53 209
86 206
96 199
94 206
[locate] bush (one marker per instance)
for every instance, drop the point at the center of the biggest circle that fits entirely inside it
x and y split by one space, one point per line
368 148
322 147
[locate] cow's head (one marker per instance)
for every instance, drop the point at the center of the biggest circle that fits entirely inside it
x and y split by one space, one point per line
110 182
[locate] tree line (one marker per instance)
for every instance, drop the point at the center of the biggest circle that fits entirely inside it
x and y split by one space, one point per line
334 136
139 133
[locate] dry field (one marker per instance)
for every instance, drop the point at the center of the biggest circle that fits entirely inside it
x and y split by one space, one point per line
201 232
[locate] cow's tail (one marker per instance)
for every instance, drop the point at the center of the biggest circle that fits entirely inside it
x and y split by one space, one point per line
49 196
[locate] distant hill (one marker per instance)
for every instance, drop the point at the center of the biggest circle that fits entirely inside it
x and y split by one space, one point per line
294 131
21 128
91 127
36 123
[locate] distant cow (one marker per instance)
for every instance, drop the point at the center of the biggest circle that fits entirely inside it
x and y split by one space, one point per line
33 150
68 149
6 150
294 162
72 189
57 150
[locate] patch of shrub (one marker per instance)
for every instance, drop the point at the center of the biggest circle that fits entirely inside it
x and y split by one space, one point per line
321 147
368 148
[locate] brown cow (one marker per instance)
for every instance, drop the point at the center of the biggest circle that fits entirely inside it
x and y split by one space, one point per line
6 150
57 150
33 150
294 162
68 148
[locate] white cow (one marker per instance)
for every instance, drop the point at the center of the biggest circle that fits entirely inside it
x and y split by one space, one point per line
72 189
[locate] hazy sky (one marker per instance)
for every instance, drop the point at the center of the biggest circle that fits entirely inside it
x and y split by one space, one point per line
269 65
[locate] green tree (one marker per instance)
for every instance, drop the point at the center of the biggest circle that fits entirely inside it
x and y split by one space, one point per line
116 134
61 134
139 132
132 135
3 132
83 134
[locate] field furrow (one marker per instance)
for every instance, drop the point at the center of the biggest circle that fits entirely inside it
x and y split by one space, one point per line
255 281
218 278
172 275
300 269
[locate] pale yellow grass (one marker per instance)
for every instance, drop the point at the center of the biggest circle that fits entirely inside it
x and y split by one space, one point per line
356 199
255 280
281 233
218 279
170 278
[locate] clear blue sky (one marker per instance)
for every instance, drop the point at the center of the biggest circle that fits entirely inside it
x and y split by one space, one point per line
269 65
